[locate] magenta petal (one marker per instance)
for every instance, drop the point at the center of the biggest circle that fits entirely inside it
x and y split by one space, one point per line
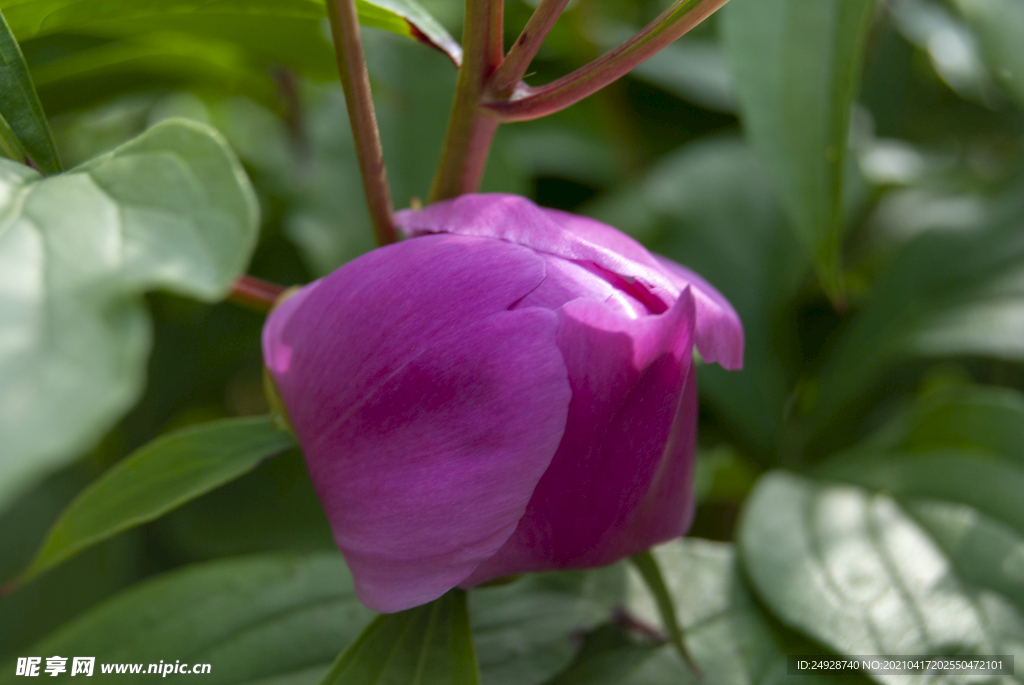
719 330
719 333
427 426
612 474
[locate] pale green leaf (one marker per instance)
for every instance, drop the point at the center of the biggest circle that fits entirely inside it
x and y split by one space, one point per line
999 25
170 210
895 554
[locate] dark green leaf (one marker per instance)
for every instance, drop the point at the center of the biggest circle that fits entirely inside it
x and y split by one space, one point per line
941 295
796 66
428 645
20 106
10 146
999 24
524 632
251 619
895 554
31 18
609 654
171 209
155 479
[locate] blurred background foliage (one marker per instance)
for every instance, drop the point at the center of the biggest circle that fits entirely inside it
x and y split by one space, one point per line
859 480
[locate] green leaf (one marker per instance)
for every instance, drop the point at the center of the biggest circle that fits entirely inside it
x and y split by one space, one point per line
251 619
730 638
609 654
234 19
936 298
796 67
428 645
647 565
10 146
171 209
999 24
157 478
976 418
893 554
20 106
525 632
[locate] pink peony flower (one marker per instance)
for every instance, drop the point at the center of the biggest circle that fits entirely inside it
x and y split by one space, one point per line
511 390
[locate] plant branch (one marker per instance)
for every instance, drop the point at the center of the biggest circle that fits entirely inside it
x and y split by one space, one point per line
532 103
255 293
504 81
470 129
356 83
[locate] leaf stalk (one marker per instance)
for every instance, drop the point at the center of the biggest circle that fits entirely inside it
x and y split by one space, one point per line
526 103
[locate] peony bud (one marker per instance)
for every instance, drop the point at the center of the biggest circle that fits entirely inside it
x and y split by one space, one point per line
511 390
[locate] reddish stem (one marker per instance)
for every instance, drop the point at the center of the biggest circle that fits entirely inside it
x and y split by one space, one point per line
532 103
505 79
255 293
470 129
356 83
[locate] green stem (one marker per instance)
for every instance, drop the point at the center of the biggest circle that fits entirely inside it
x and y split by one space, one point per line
532 103
356 83
470 128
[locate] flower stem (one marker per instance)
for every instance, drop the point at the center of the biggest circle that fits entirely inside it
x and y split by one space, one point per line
356 83
532 103
470 128
255 293
504 81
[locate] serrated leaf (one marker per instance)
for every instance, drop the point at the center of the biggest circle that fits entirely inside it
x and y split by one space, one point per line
796 68
166 473
171 209
895 554
251 619
20 107
427 645
998 25
221 18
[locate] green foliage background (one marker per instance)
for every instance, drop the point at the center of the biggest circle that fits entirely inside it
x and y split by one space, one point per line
849 174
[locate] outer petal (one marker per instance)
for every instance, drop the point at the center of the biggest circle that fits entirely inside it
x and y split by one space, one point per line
609 488
719 334
427 411
719 330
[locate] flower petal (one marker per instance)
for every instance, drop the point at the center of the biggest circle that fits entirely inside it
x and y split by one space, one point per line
596 502
719 330
719 334
426 425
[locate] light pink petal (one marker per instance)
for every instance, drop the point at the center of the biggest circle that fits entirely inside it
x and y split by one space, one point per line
719 334
609 486
427 424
